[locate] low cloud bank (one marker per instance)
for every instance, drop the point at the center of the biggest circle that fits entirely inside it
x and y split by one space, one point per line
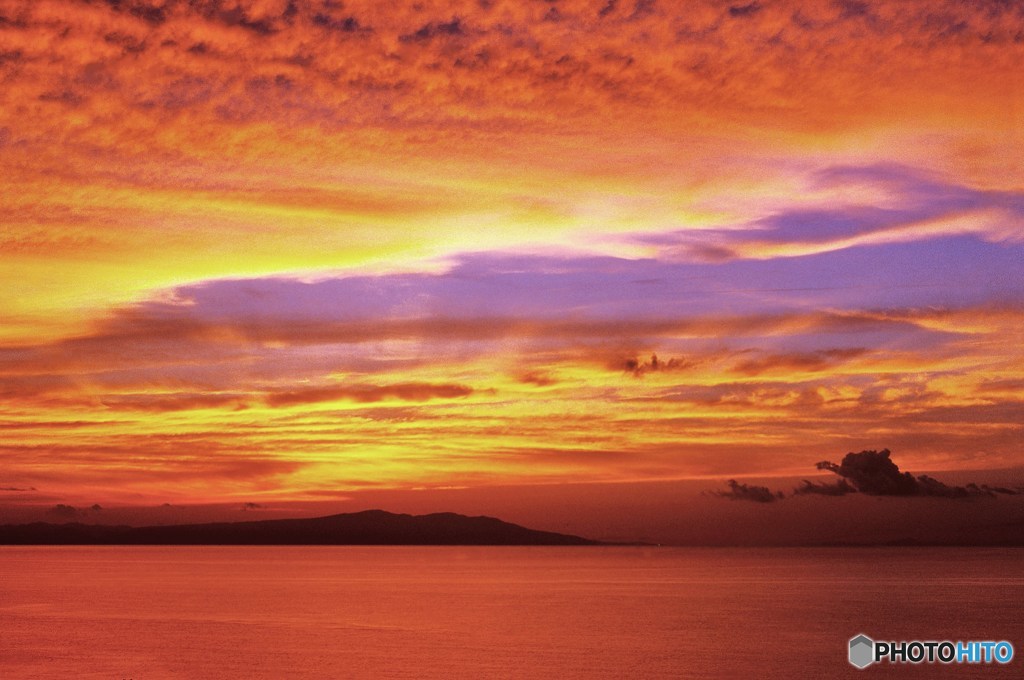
868 472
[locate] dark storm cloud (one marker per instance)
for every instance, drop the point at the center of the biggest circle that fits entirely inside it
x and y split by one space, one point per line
840 488
62 511
1001 489
748 492
872 473
875 474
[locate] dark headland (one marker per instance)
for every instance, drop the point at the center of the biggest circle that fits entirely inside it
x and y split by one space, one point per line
371 527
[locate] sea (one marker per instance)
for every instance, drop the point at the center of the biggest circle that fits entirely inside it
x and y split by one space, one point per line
508 612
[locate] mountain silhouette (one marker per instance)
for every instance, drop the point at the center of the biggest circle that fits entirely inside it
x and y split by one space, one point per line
370 527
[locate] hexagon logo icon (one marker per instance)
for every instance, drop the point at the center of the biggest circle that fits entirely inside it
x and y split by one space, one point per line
862 651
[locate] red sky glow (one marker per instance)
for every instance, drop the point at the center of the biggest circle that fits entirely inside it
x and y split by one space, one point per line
277 250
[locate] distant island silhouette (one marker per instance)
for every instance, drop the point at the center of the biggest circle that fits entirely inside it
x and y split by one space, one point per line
370 527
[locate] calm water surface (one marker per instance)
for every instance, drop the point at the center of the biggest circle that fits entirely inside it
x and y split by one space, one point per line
400 612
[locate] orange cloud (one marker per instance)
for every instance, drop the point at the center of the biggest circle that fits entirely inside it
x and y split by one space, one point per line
232 226
368 393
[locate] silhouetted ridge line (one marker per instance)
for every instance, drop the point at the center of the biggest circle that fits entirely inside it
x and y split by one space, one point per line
370 527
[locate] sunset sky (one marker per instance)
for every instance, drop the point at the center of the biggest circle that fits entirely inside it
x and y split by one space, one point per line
287 250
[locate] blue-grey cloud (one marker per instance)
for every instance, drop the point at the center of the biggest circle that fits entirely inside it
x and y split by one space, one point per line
917 202
899 299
